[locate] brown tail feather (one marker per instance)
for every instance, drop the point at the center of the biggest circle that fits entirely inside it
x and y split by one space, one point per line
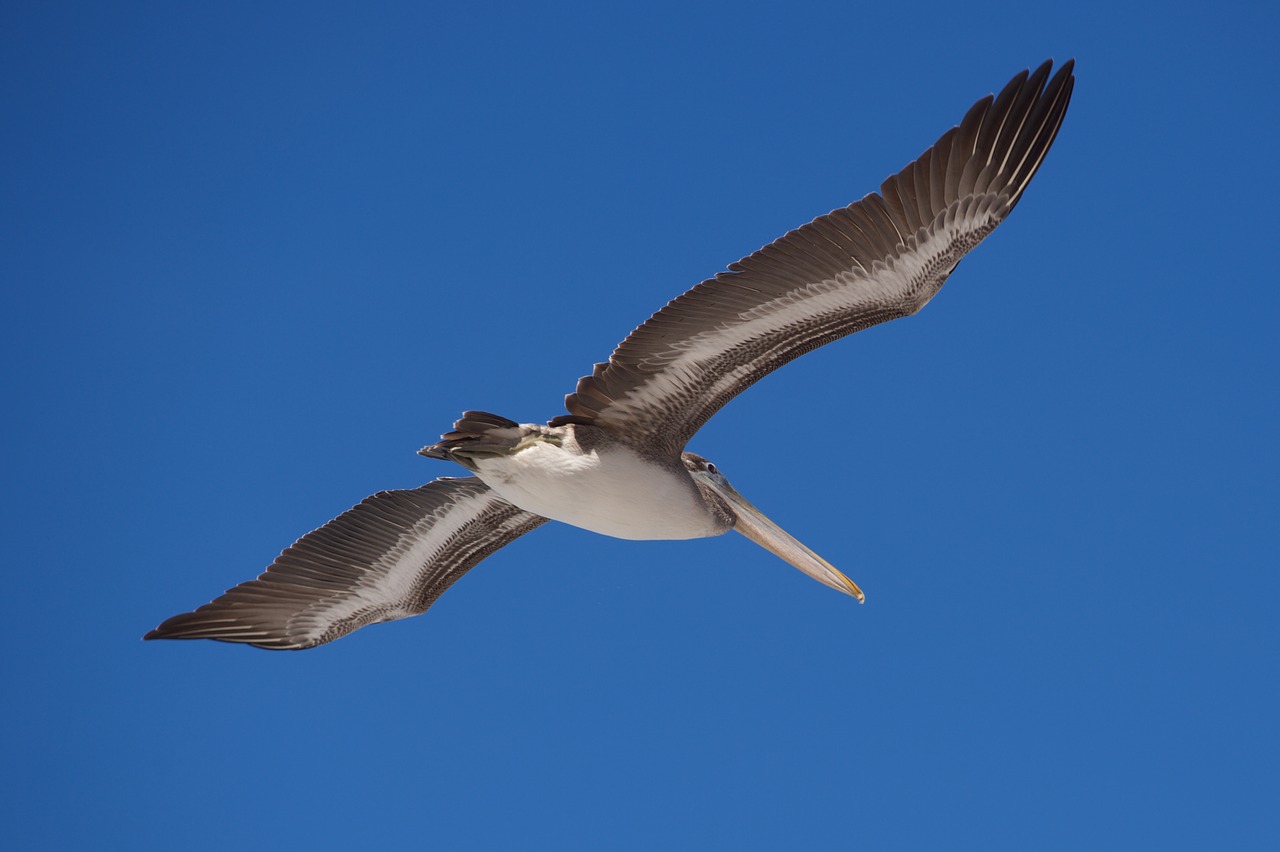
476 433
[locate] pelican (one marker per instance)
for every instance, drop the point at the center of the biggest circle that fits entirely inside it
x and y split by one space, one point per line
616 462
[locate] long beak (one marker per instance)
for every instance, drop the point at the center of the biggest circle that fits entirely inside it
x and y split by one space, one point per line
752 523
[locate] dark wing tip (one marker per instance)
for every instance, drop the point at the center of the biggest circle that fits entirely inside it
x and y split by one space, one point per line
213 622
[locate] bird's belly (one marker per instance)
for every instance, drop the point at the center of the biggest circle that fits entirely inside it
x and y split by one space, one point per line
615 494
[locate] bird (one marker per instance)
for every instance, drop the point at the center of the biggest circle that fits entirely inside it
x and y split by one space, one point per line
616 462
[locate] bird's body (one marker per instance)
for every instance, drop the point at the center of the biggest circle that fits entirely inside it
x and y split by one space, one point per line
616 462
579 475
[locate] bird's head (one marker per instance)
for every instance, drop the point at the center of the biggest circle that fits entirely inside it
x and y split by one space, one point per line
751 522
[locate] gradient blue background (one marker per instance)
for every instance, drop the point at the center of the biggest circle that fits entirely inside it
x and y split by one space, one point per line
255 255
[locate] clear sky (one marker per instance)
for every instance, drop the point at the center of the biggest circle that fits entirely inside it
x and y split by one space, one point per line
255 255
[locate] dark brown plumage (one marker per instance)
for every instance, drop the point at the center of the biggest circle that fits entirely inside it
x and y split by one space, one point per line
375 562
656 390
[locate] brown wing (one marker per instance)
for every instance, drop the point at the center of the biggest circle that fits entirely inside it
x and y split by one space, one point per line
389 557
878 259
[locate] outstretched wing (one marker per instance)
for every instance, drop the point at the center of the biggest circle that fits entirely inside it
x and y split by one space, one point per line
389 557
878 259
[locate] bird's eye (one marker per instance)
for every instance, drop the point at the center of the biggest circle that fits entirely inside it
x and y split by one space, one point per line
711 468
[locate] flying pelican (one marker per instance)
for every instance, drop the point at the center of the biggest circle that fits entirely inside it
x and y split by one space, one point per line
615 464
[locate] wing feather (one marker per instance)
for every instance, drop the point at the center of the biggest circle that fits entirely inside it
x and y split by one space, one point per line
880 258
389 557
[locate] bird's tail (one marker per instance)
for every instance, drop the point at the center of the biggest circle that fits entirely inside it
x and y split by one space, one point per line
476 434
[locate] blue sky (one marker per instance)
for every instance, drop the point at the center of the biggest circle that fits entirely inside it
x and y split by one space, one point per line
254 257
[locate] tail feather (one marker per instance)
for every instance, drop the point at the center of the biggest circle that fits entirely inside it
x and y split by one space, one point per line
476 433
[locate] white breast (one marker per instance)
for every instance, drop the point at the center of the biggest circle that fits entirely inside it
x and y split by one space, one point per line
615 493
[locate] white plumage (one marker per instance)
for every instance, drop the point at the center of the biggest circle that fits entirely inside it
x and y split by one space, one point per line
613 492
